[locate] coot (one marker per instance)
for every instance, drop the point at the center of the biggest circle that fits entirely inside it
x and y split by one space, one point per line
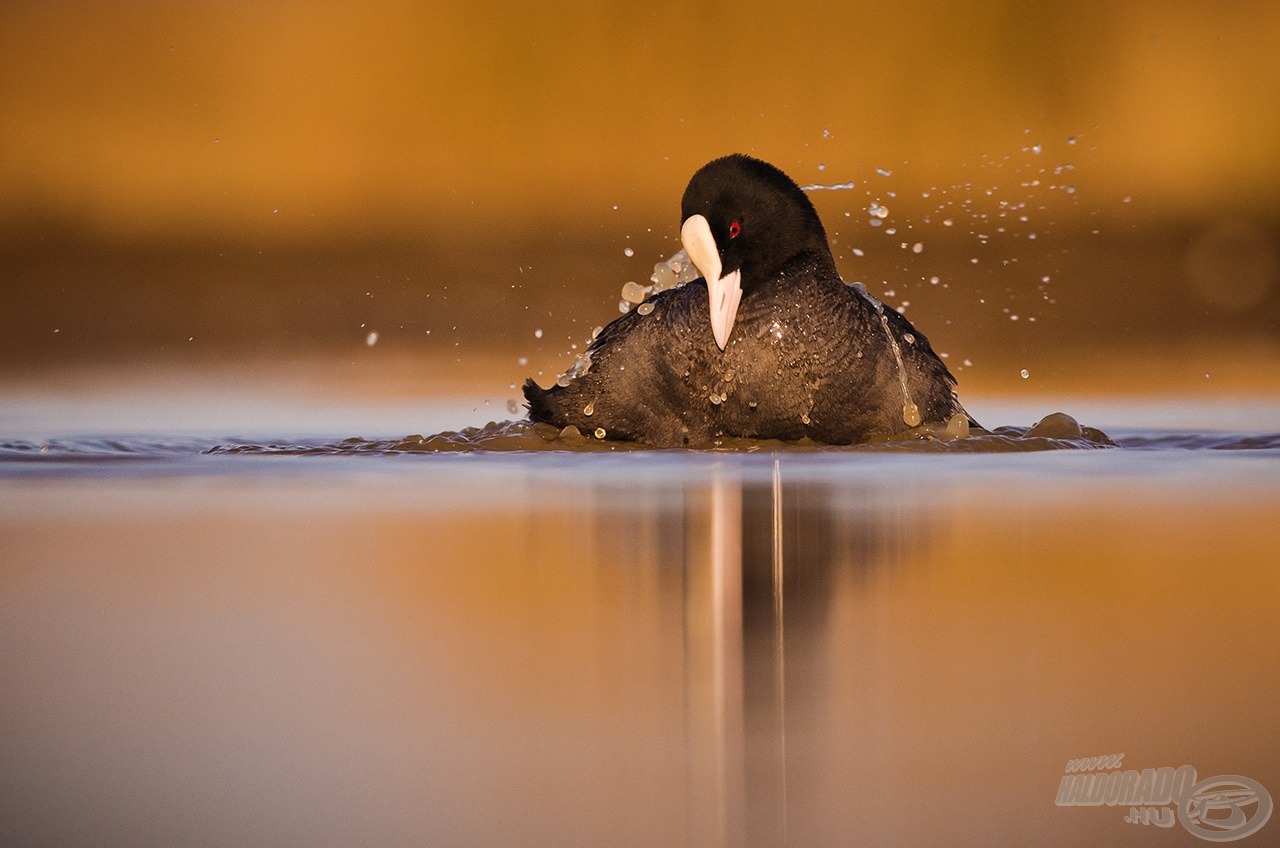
769 344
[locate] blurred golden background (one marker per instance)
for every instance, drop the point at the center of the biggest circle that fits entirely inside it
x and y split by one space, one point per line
255 181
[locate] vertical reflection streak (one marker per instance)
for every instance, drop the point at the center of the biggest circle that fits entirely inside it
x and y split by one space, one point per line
726 598
715 720
779 644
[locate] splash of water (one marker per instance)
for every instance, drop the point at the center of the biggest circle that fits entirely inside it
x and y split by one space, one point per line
910 412
1054 432
832 187
670 273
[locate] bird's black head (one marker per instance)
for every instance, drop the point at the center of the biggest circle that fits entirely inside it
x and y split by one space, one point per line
759 217
742 220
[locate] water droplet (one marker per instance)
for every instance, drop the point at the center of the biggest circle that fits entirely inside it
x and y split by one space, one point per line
804 419
563 380
753 404
1035 148
1071 139
628 252
537 334
933 280
1025 373
624 307
822 166
857 251
918 247
522 361
958 426
600 433
715 398
947 222
644 308
1071 189
512 406
908 338
877 210
884 172
911 414
634 292
589 409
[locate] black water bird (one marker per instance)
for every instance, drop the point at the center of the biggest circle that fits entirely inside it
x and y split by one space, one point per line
769 344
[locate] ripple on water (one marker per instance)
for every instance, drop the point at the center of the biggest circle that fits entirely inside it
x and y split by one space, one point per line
1054 432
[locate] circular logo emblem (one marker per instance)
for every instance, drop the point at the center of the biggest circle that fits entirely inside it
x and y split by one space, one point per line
1225 808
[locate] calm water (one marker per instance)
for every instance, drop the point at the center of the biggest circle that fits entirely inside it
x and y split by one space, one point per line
881 647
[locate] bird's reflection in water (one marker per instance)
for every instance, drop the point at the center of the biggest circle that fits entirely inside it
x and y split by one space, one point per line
765 562
632 651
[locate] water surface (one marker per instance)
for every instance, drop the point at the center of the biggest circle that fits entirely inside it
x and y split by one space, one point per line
365 644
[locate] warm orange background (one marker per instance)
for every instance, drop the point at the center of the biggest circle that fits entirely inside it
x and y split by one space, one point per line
268 177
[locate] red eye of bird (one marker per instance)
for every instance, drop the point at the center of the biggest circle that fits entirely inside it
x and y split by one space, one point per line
734 229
